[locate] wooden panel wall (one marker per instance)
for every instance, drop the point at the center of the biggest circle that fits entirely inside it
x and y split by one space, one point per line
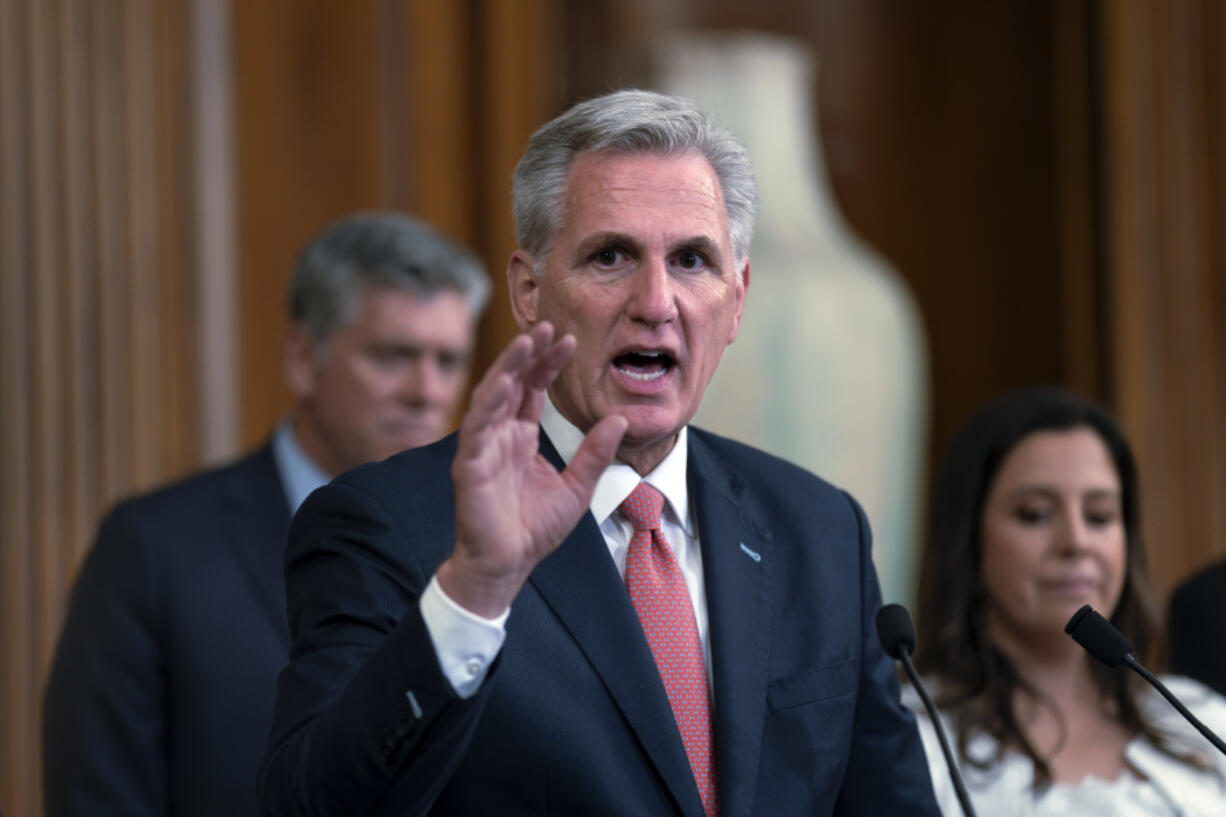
420 105
1164 84
97 324
307 148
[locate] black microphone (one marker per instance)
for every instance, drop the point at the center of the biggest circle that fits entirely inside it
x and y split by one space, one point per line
1103 641
897 635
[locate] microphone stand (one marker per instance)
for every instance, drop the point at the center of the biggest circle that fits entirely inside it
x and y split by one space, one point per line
897 636
964 799
1135 665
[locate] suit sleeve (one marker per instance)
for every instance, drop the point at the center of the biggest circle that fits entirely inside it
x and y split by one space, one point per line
887 772
104 712
365 721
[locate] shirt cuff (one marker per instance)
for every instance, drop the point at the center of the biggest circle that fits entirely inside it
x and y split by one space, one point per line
465 643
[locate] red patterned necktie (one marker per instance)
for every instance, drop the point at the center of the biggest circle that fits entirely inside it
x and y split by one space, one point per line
662 602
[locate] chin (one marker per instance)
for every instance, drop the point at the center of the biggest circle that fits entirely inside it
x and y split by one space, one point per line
418 440
410 436
390 450
645 431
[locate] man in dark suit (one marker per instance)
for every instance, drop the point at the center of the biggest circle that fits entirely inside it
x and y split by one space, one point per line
1197 628
161 694
685 630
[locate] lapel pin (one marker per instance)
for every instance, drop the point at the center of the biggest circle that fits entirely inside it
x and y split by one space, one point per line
408 693
753 554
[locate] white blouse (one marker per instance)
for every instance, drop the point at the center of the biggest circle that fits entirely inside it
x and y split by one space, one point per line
1160 785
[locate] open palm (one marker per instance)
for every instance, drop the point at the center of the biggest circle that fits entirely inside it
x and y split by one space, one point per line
513 508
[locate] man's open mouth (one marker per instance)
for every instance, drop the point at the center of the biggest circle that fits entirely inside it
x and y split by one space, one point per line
645 365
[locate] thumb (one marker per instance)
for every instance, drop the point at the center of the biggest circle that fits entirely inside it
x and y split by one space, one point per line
594 455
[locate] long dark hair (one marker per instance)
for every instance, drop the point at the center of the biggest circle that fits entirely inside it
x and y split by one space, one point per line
977 682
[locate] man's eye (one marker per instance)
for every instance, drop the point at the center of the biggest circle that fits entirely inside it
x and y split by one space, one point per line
383 356
690 260
451 363
606 258
390 356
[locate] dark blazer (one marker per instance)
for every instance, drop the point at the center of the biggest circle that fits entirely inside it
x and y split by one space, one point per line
572 718
162 689
1197 624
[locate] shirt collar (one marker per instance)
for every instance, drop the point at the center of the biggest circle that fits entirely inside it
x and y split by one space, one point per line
619 479
299 473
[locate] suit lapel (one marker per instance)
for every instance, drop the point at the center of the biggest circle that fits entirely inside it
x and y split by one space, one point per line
257 516
581 585
737 562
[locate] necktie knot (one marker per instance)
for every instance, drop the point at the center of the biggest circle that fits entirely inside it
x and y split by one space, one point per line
643 507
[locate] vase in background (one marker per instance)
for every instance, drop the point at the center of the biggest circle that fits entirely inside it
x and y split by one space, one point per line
830 367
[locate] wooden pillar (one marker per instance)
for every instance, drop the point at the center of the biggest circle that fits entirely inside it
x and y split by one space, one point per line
98 349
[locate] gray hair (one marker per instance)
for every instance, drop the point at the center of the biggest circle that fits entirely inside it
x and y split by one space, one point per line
627 121
364 251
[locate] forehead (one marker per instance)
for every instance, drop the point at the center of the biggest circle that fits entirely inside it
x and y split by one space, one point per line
383 309
652 195
1073 459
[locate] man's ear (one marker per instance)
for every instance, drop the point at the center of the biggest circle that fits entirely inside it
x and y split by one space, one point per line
525 289
298 361
742 286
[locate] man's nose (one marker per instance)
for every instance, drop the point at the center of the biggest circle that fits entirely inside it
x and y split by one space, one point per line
654 298
422 383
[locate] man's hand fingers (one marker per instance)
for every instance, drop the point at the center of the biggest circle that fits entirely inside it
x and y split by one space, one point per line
541 335
491 395
543 372
551 360
522 353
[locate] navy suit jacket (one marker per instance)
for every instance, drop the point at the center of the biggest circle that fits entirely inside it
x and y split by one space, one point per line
573 718
1197 628
161 693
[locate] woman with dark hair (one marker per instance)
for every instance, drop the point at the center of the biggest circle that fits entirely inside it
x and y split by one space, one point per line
1035 513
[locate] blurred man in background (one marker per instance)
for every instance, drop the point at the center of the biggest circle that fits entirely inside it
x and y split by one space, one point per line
161 692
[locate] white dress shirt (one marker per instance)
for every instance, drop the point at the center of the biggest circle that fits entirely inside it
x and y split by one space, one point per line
466 643
1160 786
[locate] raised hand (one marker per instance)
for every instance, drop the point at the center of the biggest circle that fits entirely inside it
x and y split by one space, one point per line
513 508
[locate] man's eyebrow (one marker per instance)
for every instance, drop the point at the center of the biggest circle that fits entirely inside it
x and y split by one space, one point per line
700 243
606 238
382 345
407 347
603 240
697 243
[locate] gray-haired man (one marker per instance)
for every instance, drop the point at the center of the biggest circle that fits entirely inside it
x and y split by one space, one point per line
161 693
511 621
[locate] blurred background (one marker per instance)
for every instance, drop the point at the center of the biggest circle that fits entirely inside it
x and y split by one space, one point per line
1015 191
